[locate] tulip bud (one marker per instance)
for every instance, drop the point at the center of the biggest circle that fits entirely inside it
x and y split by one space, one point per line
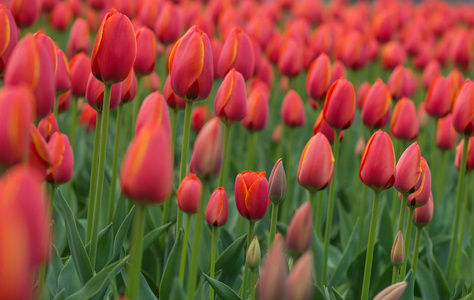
253 254
169 24
9 36
188 195
292 110
273 274
25 12
146 51
48 126
230 104
377 166
393 55
63 74
339 108
217 208
431 71
377 104
338 71
95 94
48 44
398 251
446 136
316 164
88 117
456 78
237 53
129 88
152 82
321 126
404 124
277 183
153 110
190 66
319 77
392 292
362 92
39 155
146 173
251 195
423 187
257 114
199 117
300 231
61 16
79 38
206 160
290 57
408 169
61 171
171 98
80 69
439 98
299 283
424 214
148 12
401 83
463 109
115 48
469 157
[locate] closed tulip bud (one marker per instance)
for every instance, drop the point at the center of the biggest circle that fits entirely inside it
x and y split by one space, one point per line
377 104
80 69
146 51
377 166
115 48
61 16
61 170
257 115
424 214
169 24
300 230
251 195
230 104
359 149
292 110
25 12
277 183
299 283
237 53
401 83
216 46
128 8
392 292
384 26
422 191
446 136
63 74
404 124
397 255
199 117
8 36
129 88
463 109
362 92
273 274
408 169
319 77
147 168
439 98
290 57
48 44
217 208
16 115
188 195
338 71
153 110
48 126
206 160
39 155
31 65
339 108
147 12
95 94
79 38
431 71
469 157
253 254
393 55
171 98
190 66
64 101
88 117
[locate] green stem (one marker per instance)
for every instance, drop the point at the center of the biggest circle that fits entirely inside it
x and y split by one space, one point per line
251 145
273 224
370 248
136 104
395 274
287 204
243 291
415 250
73 124
463 219
174 119
433 146
215 231
252 285
198 222
439 179
184 249
362 208
319 214
279 148
113 180
56 106
93 179
403 212
136 252
225 165
407 242
42 271
331 200
462 170
100 174
184 154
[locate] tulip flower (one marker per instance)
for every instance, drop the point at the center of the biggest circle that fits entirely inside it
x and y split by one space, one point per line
253 256
423 214
49 46
153 110
456 78
276 193
300 231
408 170
95 94
189 194
446 137
401 83
25 12
292 110
273 274
392 292
146 51
230 104
351 50
48 126
251 195
61 171
79 38
404 124
88 117
63 74
463 115
338 71
61 16
39 155
9 36
470 155
430 72
376 109
439 98
171 98
393 55
199 117
319 77
339 108
258 110
80 70
237 53
217 208
169 24
299 283
290 57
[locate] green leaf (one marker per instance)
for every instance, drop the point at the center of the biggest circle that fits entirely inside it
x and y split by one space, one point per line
440 282
410 289
122 234
78 252
172 267
178 292
222 290
144 290
346 258
68 279
228 257
317 293
426 282
93 286
151 236
317 249
346 226
385 229
61 295
336 294
104 247
54 269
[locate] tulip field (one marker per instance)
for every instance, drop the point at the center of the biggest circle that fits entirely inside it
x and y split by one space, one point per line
236 149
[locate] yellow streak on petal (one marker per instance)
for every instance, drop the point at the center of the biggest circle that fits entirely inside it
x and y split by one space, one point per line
5 25
14 118
140 150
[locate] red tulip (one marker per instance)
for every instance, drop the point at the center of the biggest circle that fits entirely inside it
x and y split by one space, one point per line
321 126
463 109
61 16
319 77
384 26
80 69
300 281
230 104
48 126
237 53
362 92
446 136
152 82
292 110
129 88
64 101
169 24
88 117
424 214
439 98
146 51
338 71
377 104
63 74
8 36
61 170
339 108
188 195
423 187
300 231
25 12
126 7
79 38
290 57
95 94
431 71
199 117
393 55
456 78
153 110
190 65
217 208
257 115
408 169
404 124
273 274
206 160
377 166
265 72
251 195
459 48
39 155
115 48
401 83
216 46
49 45
351 50
147 12
171 98
470 155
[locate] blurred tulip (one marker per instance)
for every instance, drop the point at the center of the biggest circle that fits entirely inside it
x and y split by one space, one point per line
39 155
8 36
456 78
393 55
463 109
61 171
292 110
188 195
146 51
299 283
171 98
360 145
423 116
404 124
251 195
459 48
384 26
25 12
277 183
129 88
217 208
153 110
148 11
199 117
79 38
237 53
431 71
446 136
61 16
95 93
392 292
49 46
300 230
401 83
169 24
351 49
80 69
377 104
424 214
115 48
276 135
338 71
129 8
422 188
258 110
319 77
362 92
253 254
230 104
48 126
216 46
339 108
152 82
63 74
408 169
273 274
290 57
377 167
469 158
439 98
88 117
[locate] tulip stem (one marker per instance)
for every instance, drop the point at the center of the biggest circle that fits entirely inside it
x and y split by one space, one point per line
327 235
289 192
136 252
439 179
42 271
113 180
433 145
395 274
73 124
407 242
56 106
415 250
463 219
251 145
136 104
222 182
243 291
215 231
462 171
184 155
198 222
252 285
319 214
182 264
273 224
100 174
363 204
403 212
370 248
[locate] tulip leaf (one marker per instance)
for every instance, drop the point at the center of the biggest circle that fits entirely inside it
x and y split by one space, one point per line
68 278
228 257
96 283
385 229
441 283
317 293
144 290
151 236
426 282
178 291
222 290
381 281
336 294
410 289
78 251
122 234
54 270
346 258
317 249
172 267
61 295
104 247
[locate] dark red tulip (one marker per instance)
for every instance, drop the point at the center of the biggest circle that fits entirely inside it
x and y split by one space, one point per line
80 68
408 169
424 214
48 126
463 109
339 108
95 94
439 98
422 191
61 170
